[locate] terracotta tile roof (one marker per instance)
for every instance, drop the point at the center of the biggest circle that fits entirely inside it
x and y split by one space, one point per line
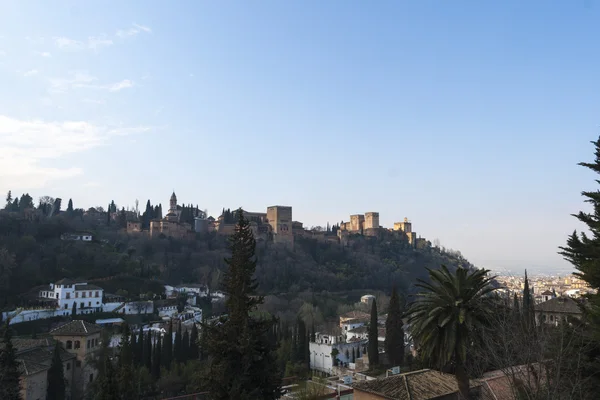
37 359
417 385
559 305
78 327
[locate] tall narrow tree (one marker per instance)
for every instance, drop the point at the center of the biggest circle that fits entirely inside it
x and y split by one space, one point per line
156 359
125 369
168 347
9 373
70 207
177 348
56 389
108 388
194 353
148 351
394 332
373 335
241 362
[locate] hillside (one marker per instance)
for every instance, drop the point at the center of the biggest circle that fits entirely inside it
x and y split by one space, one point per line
32 254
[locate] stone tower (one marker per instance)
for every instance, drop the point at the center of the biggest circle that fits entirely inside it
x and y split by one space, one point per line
371 220
173 203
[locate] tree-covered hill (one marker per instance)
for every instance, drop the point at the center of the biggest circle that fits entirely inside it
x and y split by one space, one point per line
32 254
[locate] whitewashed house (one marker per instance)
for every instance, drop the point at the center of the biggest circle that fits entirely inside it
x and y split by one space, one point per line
322 351
66 292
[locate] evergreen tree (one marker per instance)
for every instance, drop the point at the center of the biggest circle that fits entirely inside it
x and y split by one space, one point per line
15 205
177 353
74 309
108 388
528 305
194 353
582 249
70 206
185 347
125 369
242 362
373 335
56 389
57 205
516 305
122 219
394 334
168 347
108 215
353 354
134 349
8 200
9 374
140 347
148 351
156 359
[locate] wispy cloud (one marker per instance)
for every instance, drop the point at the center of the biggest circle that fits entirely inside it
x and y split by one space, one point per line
124 84
65 43
33 144
31 72
133 31
98 42
83 80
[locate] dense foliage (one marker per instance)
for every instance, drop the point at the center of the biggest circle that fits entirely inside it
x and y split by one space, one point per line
9 373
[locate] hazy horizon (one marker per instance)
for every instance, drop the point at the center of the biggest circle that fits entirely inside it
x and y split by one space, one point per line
468 119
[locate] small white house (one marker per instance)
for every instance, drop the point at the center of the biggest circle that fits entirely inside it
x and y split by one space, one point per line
84 237
322 351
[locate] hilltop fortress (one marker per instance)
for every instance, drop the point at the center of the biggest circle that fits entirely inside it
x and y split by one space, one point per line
276 225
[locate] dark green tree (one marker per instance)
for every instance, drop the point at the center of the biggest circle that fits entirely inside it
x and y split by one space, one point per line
8 205
242 363
373 335
15 205
394 332
108 388
140 348
148 351
583 249
516 305
126 375
74 309
9 373
156 364
168 347
185 347
57 205
122 218
177 348
70 206
194 353
56 389
528 305
134 349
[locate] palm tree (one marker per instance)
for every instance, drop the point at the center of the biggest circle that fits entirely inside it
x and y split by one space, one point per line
445 316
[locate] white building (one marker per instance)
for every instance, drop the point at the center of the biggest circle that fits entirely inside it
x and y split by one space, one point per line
84 237
367 299
66 292
322 351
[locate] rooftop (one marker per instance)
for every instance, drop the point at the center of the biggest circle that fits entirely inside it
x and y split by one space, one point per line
78 327
87 287
559 305
416 385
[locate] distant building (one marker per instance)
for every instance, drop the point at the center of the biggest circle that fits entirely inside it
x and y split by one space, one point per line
367 299
66 292
329 350
84 237
556 310
171 225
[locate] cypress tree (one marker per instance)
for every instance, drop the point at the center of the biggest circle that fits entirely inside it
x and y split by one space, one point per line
394 334
185 346
9 374
516 306
140 347
353 354
156 359
56 389
168 347
74 309
528 305
148 351
125 376
70 206
108 388
177 347
134 348
242 364
194 353
373 335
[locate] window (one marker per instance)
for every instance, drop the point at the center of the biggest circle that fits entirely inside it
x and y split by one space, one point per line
76 295
68 295
83 294
97 294
66 305
77 344
57 296
88 344
90 294
69 344
89 303
82 305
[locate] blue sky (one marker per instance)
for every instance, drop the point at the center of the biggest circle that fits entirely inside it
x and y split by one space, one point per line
467 118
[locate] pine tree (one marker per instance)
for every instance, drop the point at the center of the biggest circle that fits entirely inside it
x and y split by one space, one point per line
394 335
9 374
70 206
582 249
56 389
15 205
373 335
242 362
194 353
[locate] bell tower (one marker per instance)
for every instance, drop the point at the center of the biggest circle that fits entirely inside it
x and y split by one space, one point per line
173 203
